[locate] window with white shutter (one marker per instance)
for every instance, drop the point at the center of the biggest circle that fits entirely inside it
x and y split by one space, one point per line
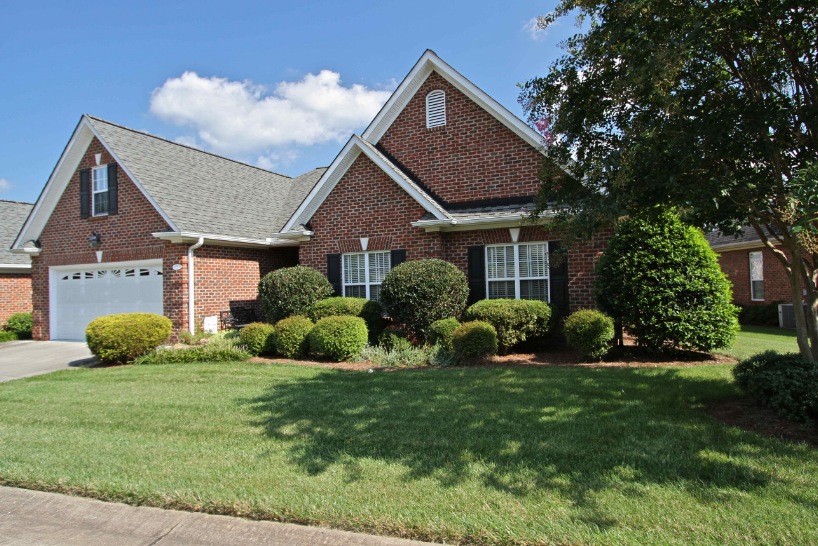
435 109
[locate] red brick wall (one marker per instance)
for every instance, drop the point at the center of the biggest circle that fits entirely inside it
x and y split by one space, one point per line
472 157
736 265
15 294
223 274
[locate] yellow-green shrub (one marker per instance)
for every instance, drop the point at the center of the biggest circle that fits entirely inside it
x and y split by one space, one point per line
474 339
122 338
290 336
340 338
257 337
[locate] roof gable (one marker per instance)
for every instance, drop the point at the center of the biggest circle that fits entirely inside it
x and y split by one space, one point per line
428 63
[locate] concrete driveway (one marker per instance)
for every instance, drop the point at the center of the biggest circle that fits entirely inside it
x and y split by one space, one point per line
26 358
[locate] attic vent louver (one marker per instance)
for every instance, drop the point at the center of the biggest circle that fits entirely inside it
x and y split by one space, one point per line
435 109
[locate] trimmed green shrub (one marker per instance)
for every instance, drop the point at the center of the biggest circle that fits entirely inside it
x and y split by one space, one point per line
21 324
662 280
514 320
417 293
440 333
292 291
5 335
765 314
393 336
218 349
122 338
785 382
341 338
590 332
368 310
291 336
474 339
257 337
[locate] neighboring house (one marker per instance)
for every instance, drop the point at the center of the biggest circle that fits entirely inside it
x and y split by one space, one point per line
757 275
442 171
15 270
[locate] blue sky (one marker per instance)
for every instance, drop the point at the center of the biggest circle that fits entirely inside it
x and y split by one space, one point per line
278 84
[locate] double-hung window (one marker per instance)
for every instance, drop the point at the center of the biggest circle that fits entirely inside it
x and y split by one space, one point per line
756 276
363 273
100 191
518 271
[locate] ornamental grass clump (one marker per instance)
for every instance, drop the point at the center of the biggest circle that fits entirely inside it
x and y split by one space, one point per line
339 338
590 332
122 338
660 278
291 336
419 292
257 337
292 291
514 320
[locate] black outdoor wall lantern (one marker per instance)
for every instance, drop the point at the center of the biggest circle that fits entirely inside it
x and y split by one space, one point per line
95 239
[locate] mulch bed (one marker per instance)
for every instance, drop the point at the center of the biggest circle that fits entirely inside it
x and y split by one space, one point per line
748 414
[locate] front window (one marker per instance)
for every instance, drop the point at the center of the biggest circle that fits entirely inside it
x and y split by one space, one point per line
517 271
100 180
363 273
757 276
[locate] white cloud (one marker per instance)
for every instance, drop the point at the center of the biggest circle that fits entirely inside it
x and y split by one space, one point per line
188 141
5 185
272 160
241 117
532 27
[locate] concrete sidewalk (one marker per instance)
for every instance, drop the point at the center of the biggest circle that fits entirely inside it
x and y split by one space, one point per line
36 518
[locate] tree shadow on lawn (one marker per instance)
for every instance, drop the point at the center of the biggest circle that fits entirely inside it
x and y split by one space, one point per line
576 431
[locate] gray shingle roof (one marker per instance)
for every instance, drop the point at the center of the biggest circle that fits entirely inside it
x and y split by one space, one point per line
13 215
748 235
205 193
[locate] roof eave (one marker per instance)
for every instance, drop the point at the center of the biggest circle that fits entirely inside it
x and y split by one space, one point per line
183 237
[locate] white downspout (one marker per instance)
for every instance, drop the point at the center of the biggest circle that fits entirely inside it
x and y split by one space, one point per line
191 318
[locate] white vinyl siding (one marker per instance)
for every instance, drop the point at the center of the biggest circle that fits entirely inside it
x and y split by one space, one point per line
435 109
100 191
363 273
756 276
518 271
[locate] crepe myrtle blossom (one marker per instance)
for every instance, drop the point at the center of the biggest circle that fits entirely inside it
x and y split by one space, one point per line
542 126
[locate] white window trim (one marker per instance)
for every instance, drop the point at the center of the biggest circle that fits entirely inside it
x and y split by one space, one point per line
94 191
517 277
366 284
760 256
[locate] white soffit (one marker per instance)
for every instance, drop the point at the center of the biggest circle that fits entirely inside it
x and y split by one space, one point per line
61 176
428 63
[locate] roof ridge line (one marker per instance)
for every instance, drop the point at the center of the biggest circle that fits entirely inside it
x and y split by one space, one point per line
16 202
186 146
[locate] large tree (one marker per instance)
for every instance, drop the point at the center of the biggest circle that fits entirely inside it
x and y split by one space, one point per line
709 106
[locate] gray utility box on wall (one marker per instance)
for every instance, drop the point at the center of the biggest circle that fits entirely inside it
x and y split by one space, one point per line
786 315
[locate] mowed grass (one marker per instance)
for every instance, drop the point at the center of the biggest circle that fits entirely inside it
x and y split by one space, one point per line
489 456
756 339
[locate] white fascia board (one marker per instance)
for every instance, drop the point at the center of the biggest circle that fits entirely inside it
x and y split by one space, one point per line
26 251
219 240
82 137
744 246
132 177
15 268
466 224
337 170
431 62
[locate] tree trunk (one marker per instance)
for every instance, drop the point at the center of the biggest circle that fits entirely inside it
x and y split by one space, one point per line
801 332
812 307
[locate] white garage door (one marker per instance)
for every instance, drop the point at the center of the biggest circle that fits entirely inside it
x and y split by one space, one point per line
79 295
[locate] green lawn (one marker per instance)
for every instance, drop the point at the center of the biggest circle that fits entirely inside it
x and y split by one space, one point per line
755 339
502 455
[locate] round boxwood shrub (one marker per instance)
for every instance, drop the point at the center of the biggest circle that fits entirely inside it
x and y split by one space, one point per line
474 339
420 292
20 323
122 338
292 291
340 338
514 320
440 333
368 310
785 382
590 332
257 337
662 280
290 336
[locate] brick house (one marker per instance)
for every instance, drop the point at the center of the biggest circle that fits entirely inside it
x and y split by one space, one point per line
15 270
755 272
442 171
